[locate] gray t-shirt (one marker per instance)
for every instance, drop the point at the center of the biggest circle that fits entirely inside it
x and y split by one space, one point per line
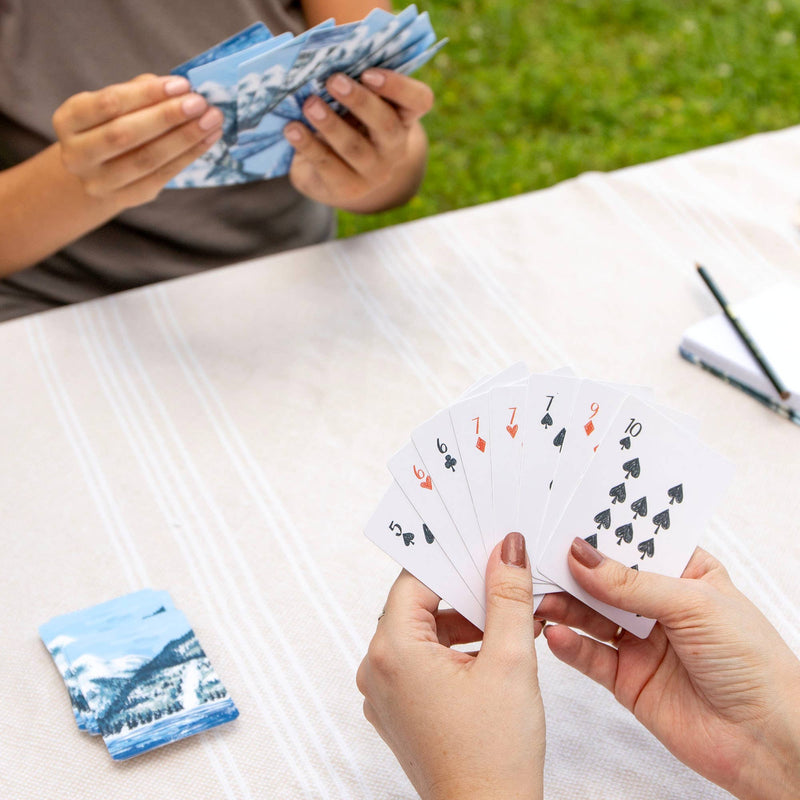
49 51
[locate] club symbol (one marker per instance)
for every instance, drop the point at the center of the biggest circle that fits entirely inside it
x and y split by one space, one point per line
639 507
618 493
661 520
646 548
426 484
626 443
631 468
603 519
481 444
450 463
547 421
676 494
592 540
624 533
559 440
428 535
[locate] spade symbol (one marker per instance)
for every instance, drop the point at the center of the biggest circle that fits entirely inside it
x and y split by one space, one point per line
408 538
624 533
676 493
646 548
636 567
618 493
559 440
631 468
547 421
639 507
603 519
592 540
626 443
428 535
662 520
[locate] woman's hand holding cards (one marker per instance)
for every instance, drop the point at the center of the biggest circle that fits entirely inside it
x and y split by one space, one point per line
125 142
372 161
714 682
460 725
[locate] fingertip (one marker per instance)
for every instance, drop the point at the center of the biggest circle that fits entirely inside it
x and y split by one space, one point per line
374 78
175 85
294 133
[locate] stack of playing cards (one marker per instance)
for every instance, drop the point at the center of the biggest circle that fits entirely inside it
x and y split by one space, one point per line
552 456
260 82
136 673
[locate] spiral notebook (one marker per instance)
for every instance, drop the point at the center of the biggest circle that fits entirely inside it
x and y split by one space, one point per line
772 319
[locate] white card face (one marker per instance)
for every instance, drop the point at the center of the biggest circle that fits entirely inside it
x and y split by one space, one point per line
411 476
506 432
548 408
437 446
516 372
594 408
644 499
397 529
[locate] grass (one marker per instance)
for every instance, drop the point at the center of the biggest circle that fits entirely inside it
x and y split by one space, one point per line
531 92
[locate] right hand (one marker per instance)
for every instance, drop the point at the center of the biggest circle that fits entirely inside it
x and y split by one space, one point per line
714 682
126 141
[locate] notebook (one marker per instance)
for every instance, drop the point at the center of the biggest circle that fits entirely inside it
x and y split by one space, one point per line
772 319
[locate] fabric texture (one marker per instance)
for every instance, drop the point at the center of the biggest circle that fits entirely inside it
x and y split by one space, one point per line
48 54
224 436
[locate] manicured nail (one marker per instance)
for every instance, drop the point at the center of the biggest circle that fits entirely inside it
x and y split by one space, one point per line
317 110
211 138
585 554
341 84
193 105
512 553
210 119
293 133
177 86
373 78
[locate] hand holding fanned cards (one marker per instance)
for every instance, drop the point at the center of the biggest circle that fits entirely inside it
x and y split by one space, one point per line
554 457
260 82
136 674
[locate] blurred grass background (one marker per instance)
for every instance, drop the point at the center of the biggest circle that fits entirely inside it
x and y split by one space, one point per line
530 92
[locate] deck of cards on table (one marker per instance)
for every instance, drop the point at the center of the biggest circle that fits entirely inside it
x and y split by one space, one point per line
552 456
260 82
136 673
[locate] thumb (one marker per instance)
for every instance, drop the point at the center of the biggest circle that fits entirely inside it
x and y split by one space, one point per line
646 593
509 601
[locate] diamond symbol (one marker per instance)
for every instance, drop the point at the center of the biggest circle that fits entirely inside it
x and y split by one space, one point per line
589 427
481 445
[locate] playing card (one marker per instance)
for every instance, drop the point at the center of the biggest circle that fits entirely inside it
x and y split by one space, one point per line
436 444
257 32
506 432
408 470
148 682
399 531
412 65
643 500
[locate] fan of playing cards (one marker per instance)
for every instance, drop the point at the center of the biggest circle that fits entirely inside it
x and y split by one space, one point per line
552 456
260 82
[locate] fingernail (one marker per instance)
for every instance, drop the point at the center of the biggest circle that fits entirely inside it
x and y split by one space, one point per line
210 139
373 78
512 553
293 133
177 86
317 110
210 119
193 105
341 84
585 554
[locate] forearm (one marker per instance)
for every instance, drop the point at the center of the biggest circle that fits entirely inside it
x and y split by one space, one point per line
44 208
407 176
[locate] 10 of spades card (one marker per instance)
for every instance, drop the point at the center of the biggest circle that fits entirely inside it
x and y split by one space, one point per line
553 456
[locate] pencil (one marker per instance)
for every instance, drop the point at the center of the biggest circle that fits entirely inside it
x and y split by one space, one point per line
744 335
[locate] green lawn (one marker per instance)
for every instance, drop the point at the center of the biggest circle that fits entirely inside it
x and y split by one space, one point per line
531 92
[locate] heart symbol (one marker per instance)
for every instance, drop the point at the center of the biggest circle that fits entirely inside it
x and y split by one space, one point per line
426 484
512 431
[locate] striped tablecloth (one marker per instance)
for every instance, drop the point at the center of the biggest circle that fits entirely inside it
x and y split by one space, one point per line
224 437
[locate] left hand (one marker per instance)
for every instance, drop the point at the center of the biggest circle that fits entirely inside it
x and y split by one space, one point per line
346 166
460 725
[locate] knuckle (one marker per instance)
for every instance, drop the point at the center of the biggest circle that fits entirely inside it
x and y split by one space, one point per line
108 102
511 593
94 188
356 149
145 160
426 98
361 677
117 136
624 581
70 158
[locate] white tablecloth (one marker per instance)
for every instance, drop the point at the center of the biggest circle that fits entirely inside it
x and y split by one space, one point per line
225 437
